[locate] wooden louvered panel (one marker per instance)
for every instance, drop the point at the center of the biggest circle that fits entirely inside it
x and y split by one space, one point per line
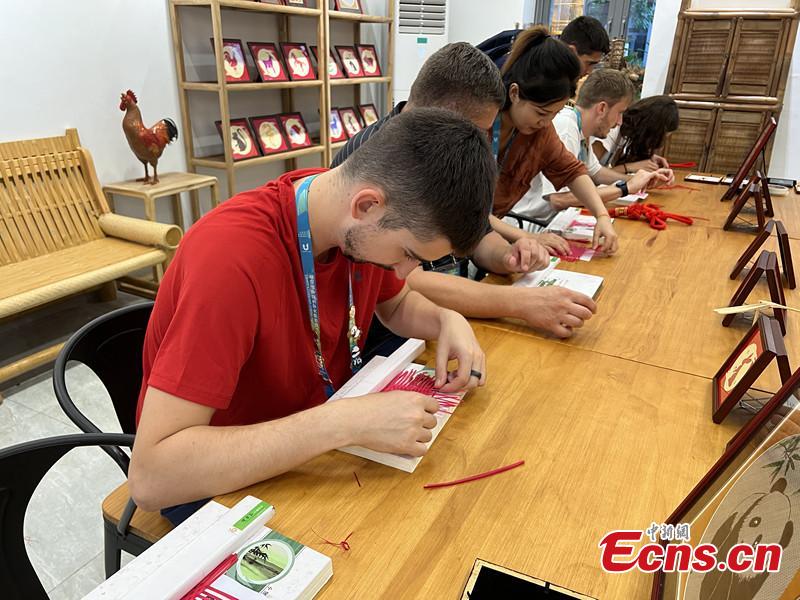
705 56
735 133
688 143
753 68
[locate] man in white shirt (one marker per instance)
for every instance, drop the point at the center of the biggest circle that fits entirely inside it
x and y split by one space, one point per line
604 96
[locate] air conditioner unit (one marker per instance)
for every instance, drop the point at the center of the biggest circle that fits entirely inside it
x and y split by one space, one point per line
421 30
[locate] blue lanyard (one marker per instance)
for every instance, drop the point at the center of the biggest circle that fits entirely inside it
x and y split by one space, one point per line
307 260
496 142
583 153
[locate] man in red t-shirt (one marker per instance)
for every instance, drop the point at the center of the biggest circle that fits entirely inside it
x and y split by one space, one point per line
232 392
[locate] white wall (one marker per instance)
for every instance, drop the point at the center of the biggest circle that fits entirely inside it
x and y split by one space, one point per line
476 20
66 64
785 161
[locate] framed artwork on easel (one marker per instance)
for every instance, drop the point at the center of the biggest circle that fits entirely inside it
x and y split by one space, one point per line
762 344
750 159
751 190
749 496
767 264
783 246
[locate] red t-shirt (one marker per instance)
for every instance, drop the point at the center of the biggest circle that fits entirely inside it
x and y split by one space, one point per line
230 327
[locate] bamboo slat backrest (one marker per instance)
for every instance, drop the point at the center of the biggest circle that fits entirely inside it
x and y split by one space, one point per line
50 198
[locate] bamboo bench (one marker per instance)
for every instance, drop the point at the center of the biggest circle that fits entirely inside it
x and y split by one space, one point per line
58 237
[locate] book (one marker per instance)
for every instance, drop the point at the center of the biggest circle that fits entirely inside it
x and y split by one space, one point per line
270 566
174 564
397 372
550 276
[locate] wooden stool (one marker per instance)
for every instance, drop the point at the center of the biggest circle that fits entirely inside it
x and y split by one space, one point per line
171 185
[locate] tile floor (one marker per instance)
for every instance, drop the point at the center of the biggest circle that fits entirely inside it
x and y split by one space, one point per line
63 525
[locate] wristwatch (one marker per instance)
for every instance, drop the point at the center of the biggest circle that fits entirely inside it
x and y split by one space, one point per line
623 187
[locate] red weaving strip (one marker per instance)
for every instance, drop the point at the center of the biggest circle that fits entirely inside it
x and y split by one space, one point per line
475 477
343 544
683 165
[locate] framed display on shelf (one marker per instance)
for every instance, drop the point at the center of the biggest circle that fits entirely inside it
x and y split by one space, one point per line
349 6
350 62
234 61
369 114
749 496
338 134
243 143
296 131
786 255
369 60
269 133
350 120
334 69
298 61
276 2
297 3
747 362
750 251
268 61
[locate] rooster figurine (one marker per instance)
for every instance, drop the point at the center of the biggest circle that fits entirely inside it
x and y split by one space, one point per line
147 144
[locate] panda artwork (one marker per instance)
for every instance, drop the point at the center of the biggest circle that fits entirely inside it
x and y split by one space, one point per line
759 508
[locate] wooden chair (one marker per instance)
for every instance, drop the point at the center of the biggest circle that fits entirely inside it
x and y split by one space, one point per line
58 237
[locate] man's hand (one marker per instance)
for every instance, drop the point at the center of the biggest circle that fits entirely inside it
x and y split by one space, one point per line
457 341
645 180
397 422
605 238
555 244
525 255
556 310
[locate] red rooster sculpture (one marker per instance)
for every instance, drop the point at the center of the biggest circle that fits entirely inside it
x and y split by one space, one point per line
146 143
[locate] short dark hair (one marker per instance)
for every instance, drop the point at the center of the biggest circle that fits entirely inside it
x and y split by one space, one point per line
437 172
645 126
605 85
587 34
544 68
458 77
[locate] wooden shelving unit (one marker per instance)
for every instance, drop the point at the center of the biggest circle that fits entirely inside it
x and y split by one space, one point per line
323 17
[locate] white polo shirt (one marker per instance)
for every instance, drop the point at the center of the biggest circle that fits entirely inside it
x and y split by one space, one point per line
534 204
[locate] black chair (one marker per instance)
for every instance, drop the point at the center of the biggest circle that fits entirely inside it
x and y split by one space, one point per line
111 346
523 219
22 467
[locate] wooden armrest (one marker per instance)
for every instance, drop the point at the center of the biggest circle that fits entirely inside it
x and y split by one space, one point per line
140 231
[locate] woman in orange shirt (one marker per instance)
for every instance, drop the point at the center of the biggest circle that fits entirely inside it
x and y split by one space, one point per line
540 76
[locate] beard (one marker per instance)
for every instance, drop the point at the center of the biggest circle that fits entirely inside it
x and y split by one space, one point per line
354 244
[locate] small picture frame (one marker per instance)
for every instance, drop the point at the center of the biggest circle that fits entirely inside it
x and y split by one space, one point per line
765 193
752 190
243 142
334 68
750 251
296 131
757 476
234 61
767 263
786 255
750 160
269 133
747 362
275 2
298 61
351 65
489 581
350 121
702 178
369 114
348 6
268 61
337 131
369 60
296 3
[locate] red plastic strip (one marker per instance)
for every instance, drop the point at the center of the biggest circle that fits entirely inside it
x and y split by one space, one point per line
683 165
475 477
206 581
356 476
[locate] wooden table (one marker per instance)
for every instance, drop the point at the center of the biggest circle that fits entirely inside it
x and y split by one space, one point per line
614 425
170 185
608 444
